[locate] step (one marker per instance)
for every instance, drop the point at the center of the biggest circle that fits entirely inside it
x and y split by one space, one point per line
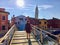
23 40
20 38
33 43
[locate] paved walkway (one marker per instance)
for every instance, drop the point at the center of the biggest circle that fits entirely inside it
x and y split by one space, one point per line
19 38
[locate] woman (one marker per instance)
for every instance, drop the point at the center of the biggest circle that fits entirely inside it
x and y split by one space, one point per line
28 29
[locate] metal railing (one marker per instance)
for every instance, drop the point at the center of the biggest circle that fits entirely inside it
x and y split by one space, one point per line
5 40
46 33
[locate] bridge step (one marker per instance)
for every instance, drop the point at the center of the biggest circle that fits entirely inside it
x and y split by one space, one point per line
20 38
33 43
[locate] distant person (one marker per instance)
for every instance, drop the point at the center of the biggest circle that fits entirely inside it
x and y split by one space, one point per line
28 29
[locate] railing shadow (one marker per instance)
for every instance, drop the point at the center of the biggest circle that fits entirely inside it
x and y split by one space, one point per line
29 42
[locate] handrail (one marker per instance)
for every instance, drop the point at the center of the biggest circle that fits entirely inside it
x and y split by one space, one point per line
44 31
8 35
35 27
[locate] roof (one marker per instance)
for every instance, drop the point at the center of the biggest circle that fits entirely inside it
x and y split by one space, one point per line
54 19
4 12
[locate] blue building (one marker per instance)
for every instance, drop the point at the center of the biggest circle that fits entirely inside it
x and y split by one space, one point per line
20 22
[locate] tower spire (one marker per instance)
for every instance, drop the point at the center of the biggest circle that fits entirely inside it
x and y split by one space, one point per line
36 12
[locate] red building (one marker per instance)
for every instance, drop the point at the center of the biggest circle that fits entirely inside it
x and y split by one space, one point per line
33 21
3 19
9 26
54 23
13 20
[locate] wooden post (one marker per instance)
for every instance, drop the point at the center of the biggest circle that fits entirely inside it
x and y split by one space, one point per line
41 37
59 39
34 30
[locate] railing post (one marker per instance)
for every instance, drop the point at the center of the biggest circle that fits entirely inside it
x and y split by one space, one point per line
59 39
34 30
41 37
5 42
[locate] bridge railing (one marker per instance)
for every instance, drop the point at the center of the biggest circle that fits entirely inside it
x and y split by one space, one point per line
5 40
46 33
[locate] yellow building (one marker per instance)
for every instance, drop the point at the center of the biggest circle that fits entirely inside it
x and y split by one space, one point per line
43 24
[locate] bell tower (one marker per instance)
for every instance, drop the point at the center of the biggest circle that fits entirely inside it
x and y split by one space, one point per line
36 12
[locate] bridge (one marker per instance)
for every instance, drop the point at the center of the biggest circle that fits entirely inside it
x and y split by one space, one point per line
37 37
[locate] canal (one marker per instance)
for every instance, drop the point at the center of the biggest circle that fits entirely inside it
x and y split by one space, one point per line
49 42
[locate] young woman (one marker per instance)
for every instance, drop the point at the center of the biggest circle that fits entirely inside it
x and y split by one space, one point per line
28 29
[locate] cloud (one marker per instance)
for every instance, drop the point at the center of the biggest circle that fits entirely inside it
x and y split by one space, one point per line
45 6
40 7
7 7
27 14
31 5
27 8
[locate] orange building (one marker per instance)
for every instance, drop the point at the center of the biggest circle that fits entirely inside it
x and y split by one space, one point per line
43 24
3 19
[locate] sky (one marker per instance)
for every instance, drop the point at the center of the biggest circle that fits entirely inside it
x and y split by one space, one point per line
47 8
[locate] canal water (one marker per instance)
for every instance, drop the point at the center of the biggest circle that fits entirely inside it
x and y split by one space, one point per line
47 42
46 39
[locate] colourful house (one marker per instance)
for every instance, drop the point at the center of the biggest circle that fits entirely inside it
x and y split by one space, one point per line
3 19
19 21
43 24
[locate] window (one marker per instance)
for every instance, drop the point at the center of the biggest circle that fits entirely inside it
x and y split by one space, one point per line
15 22
45 27
39 22
18 22
3 27
25 19
3 17
20 18
44 22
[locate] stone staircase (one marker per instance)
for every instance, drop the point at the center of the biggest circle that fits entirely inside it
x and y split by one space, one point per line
20 38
